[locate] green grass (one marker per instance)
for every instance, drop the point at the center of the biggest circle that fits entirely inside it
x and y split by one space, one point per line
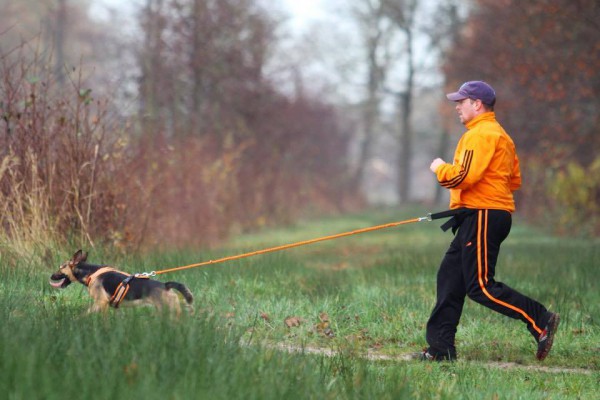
377 290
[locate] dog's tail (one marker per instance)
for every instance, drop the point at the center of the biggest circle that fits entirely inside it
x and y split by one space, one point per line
181 288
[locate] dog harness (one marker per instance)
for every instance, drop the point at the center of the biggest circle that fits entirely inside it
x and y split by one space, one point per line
92 278
119 294
122 290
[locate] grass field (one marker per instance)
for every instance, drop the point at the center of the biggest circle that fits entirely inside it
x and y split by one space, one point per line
365 299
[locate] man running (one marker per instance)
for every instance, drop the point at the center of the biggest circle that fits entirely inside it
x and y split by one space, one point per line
481 179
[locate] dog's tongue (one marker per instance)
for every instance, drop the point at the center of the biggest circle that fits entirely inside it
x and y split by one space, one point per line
57 284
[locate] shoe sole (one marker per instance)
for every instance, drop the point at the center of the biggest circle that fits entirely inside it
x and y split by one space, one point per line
422 357
555 321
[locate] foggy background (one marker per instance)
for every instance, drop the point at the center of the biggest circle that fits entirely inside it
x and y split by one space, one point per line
177 122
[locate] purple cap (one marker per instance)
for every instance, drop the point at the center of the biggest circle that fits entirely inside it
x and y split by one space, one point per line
474 90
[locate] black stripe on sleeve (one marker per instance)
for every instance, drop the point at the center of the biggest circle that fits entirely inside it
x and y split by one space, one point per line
457 180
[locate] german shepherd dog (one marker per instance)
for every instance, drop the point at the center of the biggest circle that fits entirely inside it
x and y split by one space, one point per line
110 287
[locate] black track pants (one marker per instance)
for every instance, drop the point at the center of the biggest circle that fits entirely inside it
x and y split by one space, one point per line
468 270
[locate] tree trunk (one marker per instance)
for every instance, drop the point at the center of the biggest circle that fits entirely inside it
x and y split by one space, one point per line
150 63
406 133
370 15
59 41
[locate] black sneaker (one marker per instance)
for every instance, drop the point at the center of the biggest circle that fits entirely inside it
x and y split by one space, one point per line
425 355
547 337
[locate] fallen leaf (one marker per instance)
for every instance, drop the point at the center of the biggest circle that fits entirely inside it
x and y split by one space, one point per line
377 345
324 329
320 327
291 322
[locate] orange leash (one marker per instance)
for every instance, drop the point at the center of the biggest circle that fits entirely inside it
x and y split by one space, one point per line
289 246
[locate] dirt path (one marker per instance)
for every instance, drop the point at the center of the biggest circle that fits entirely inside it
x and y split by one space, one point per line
410 356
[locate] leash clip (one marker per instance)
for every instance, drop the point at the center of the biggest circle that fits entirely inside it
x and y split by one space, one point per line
427 218
146 274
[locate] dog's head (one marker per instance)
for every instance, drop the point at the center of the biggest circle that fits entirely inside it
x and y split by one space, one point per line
65 274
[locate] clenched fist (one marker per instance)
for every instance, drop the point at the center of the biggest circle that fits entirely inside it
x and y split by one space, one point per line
435 164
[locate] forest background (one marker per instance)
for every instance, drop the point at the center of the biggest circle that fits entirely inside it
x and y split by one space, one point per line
176 123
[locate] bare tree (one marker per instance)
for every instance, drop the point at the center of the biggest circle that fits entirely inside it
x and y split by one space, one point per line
376 33
402 14
151 65
59 40
444 34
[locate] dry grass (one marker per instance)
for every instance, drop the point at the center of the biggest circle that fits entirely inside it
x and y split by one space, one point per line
73 170
24 213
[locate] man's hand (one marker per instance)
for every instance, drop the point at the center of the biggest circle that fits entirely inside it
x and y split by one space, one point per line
435 164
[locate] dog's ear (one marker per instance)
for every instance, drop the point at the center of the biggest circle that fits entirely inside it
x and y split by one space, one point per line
79 256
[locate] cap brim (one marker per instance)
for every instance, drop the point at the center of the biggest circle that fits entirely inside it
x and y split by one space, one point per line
456 96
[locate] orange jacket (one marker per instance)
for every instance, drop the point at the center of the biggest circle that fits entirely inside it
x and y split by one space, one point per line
485 171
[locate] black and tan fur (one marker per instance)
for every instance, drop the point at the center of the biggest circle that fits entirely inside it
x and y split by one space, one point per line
102 287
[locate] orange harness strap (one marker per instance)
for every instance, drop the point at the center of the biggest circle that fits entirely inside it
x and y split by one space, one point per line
92 278
119 294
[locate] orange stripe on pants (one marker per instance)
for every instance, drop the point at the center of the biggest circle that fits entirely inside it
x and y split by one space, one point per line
480 267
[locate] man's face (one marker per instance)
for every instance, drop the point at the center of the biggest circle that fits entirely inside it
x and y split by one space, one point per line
466 110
